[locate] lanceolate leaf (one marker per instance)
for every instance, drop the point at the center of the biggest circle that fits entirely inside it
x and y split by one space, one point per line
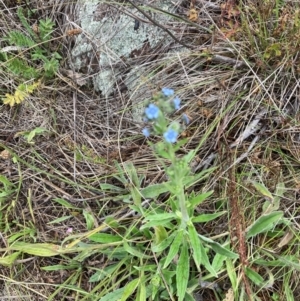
262 189
219 248
129 289
182 272
114 296
9 259
161 216
104 238
255 277
163 244
195 243
135 252
205 261
198 199
223 251
174 248
264 223
154 190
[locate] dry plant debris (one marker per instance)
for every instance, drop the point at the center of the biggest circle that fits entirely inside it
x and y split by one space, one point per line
239 85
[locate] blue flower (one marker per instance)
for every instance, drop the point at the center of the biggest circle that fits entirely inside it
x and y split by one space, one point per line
152 111
167 91
171 136
146 132
176 102
185 118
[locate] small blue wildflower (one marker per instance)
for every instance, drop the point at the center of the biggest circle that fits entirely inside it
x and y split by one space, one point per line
185 118
152 111
171 136
176 102
146 132
167 91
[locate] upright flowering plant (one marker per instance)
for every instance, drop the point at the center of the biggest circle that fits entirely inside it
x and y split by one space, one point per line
175 232
156 113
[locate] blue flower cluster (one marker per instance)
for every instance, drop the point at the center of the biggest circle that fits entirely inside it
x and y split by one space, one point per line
154 112
167 91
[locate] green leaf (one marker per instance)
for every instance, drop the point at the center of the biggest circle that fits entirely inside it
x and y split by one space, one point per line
114 296
189 156
161 216
136 196
104 273
189 297
198 199
223 251
219 248
151 192
132 173
37 249
9 259
163 244
129 289
60 219
195 243
24 233
205 261
262 189
192 180
290 261
270 263
218 262
104 238
34 132
135 252
60 267
174 248
254 277
182 272
7 184
64 203
89 220
160 234
142 292
270 206
203 218
155 224
231 272
264 223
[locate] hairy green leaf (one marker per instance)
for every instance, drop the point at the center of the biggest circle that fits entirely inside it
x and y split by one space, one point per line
264 223
195 243
174 248
203 218
182 272
129 289
254 276
198 199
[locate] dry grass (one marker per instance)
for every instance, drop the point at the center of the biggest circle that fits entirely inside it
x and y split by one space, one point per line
88 133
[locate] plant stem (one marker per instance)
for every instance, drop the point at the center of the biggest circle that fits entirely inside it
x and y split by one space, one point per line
183 209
